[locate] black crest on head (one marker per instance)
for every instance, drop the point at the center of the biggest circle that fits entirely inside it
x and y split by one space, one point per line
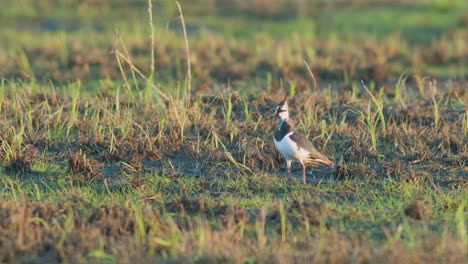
282 103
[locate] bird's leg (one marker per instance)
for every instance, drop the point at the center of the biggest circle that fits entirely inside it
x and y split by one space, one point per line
303 173
288 168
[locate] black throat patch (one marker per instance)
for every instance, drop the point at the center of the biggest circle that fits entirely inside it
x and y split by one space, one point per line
284 128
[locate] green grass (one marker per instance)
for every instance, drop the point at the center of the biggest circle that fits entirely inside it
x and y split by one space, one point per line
104 161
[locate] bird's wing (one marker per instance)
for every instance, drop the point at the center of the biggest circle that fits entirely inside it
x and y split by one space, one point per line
302 142
305 143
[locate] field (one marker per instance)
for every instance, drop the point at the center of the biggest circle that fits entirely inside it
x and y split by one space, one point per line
138 131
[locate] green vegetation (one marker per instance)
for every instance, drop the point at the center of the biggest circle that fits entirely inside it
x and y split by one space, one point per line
109 155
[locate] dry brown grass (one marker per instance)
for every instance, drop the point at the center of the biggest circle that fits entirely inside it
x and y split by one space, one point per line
155 169
427 156
57 232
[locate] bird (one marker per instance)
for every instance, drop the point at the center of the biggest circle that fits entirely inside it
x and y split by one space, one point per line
293 145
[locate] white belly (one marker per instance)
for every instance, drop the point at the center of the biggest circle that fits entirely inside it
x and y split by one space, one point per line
289 149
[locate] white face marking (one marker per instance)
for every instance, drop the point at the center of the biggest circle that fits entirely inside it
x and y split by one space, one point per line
282 111
284 115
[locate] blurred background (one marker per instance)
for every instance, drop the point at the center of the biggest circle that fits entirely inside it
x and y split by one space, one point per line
243 42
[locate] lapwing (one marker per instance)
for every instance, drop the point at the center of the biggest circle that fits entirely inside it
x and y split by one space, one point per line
293 145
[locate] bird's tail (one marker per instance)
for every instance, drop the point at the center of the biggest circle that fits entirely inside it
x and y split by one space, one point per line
319 158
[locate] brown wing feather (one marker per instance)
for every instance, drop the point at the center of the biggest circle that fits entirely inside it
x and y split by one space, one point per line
314 156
